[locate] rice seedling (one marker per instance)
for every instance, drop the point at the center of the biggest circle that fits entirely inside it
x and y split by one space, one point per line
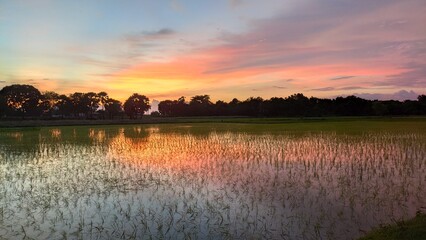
169 182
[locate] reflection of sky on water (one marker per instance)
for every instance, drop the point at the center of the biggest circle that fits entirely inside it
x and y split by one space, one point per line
135 180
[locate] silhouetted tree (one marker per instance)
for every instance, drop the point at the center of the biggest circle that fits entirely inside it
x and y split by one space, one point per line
26 100
353 106
298 105
200 105
93 103
221 108
113 107
275 107
136 105
155 114
102 98
422 104
325 107
3 106
182 108
234 107
166 108
252 107
64 106
49 101
379 108
21 100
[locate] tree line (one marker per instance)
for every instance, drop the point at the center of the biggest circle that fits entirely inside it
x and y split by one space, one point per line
296 105
26 101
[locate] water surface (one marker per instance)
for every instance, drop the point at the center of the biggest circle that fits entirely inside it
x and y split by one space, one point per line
208 181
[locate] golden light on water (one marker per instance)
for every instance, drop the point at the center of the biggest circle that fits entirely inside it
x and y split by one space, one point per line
207 180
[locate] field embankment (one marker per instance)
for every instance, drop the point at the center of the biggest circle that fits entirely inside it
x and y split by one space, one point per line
413 229
248 120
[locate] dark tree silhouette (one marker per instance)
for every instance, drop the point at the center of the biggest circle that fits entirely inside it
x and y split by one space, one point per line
49 101
93 102
26 101
166 108
422 104
79 104
234 107
3 106
379 108
174 108
103 98
296 105
136 105
221 108
21 100
353 106
200 105
84 104
276 107
113 107
181 107
64 106
252 107
155 114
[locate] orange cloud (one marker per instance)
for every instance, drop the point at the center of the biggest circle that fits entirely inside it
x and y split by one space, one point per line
197 71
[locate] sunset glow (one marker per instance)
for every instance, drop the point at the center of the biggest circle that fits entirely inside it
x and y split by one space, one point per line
227 49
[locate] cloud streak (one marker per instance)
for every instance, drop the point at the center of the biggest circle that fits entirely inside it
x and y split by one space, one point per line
342 78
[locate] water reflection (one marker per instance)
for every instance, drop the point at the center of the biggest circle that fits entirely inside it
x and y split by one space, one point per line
56 133
199 182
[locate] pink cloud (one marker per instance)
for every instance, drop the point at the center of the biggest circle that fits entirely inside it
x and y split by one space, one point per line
340 46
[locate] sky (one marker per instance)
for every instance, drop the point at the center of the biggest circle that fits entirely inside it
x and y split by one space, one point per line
165 49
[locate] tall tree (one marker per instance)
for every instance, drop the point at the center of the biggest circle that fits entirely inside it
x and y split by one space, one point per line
3 106
298 105
93 101
252 106
79 106
136 105
221 108
103 98
113 107
166 108
21 100
234 107
64 106
181 107
200 105
49 102
422 104
353 106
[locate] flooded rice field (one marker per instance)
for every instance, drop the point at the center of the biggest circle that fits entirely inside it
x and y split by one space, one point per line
207 181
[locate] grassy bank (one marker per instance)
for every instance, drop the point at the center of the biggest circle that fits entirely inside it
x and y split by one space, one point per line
414 229
157 120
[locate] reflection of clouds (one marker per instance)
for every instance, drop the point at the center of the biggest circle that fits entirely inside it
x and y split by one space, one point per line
219 155
55 133
340 182
17 135
97 135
